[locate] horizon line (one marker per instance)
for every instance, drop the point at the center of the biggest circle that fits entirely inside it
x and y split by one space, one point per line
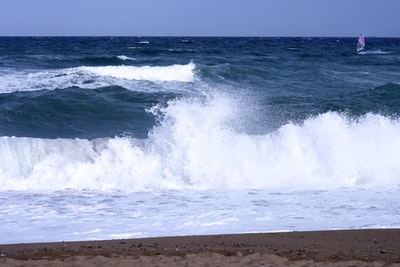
199 36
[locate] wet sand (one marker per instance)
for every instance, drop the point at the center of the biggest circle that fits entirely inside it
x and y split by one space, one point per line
317 248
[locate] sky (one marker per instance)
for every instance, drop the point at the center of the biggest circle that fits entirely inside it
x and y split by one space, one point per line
336 18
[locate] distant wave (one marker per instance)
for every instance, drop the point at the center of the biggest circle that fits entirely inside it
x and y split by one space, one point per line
151 51
123 57
99 60
94 77
178 73
178 50
367 52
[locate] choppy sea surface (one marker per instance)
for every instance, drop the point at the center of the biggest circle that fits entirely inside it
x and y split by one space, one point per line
117 137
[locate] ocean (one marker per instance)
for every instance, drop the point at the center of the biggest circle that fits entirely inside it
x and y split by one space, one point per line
123 137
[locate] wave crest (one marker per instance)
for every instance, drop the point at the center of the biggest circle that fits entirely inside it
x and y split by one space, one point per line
94 77
196 147
177 73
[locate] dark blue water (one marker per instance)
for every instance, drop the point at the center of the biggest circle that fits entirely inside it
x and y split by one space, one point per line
44 94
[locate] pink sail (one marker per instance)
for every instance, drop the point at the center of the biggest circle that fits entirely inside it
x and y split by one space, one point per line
361 43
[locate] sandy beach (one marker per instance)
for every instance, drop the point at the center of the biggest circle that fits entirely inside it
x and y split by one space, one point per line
316 248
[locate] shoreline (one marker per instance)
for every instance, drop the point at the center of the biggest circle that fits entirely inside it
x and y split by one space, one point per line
366 247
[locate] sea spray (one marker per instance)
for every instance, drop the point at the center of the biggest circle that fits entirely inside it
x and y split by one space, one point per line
195 147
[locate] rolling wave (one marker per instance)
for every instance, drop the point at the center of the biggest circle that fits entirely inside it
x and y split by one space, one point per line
173 73
94 77
73 112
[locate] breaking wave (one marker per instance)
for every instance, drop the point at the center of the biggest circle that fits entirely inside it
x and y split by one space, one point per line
196 146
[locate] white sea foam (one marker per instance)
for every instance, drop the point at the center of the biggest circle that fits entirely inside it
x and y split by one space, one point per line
195 146
368 52
94 77
123 57
178 73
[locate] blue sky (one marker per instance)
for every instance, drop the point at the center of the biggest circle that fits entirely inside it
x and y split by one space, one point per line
200 17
